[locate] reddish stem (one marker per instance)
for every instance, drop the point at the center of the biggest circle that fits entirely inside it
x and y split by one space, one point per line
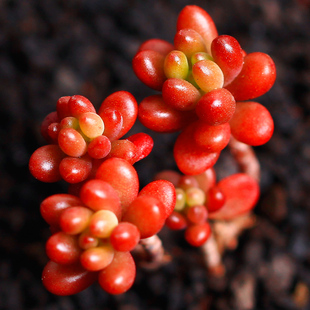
245 158
150 253
212 257
226 233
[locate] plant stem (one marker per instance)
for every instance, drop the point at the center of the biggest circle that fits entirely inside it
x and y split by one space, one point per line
245 158
226 233
150 253
212 257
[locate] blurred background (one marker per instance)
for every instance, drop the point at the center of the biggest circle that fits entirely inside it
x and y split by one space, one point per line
53 48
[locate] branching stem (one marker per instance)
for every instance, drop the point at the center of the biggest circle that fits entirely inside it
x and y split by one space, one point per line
151 254
225 235
245 158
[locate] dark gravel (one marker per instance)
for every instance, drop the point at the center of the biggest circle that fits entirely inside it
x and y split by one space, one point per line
51 48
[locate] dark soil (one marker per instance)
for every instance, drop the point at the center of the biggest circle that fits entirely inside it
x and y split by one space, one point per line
51 48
